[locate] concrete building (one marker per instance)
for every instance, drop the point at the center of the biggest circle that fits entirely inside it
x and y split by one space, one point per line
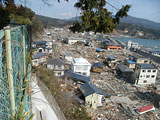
39 58
132 45
92 95
155 52
57 65
81 66
145 74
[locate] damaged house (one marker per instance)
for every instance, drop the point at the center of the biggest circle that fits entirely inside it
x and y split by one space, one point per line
124 71
97 67
57 65
74 78
39 58
92 95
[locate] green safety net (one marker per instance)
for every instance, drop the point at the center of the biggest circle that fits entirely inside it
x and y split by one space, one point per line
19 60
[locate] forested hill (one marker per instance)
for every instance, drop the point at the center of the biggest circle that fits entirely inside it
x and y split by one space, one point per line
141 22
48 21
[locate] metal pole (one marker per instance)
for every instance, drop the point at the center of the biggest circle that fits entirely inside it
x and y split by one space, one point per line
9 68
24 51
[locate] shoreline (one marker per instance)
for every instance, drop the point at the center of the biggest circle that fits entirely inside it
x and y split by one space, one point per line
127 36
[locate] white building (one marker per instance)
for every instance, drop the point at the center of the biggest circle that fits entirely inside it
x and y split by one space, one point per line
145 74
57 65
81 66
73 40
132 45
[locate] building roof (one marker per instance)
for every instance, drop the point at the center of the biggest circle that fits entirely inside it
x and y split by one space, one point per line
111 57
99 50
76 38
38 55
130 61
77 77
68 54
80 61
88 89
39 42
103 40
99 65
124 68
112 44
147 66
55 62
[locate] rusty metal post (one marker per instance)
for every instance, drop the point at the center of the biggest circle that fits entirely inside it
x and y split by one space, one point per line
9 68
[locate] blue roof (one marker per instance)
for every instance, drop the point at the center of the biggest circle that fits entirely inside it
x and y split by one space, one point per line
111 57
38 55
147 66
100 65
77 77
99 50
131 62
88 89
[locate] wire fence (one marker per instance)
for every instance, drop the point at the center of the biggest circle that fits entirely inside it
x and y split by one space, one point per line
15 46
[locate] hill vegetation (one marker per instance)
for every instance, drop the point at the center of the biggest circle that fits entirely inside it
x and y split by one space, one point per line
134 29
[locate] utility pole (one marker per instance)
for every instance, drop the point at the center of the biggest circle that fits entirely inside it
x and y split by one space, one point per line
9 68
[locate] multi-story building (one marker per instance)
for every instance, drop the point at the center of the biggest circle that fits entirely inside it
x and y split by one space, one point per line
57 65
145 74
81 66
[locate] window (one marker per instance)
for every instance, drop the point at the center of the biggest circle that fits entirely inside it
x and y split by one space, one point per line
147 76
141 76
153 76
145 61
59 74
84 73
143 70
149 70
154 70
145 81
59 66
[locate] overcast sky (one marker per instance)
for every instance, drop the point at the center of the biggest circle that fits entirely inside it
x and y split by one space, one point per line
148 9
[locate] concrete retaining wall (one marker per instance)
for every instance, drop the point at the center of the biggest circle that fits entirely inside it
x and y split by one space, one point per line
50 100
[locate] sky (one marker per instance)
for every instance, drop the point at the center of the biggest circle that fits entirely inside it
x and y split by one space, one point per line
148 9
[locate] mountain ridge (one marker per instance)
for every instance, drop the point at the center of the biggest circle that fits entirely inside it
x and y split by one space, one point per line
134 20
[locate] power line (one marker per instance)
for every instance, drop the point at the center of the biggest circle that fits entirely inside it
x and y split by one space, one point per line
112 5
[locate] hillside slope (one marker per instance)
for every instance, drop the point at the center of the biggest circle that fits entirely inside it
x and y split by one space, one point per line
141 22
